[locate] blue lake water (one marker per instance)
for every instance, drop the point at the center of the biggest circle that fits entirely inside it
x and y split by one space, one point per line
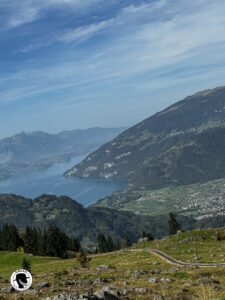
51 181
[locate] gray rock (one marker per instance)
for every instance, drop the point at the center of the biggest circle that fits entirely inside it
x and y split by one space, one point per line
100 281
108 293
103 268
158 297
141 290
7 290
43 285
153 280
166 280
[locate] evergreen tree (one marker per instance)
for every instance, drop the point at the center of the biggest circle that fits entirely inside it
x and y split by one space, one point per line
174 226
10 239
110 244
127 242
73 245
31 240
0 240
43 243
102 243
148 235
118 245
56 242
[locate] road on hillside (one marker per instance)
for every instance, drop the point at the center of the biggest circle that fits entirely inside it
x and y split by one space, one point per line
173 261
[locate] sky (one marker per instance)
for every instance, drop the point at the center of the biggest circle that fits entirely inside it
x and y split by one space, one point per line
67 64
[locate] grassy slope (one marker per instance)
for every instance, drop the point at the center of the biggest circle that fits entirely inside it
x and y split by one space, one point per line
134 266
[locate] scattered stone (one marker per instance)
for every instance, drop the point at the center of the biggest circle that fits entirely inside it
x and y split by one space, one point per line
173 270
166 280
153 272
208 280
153 280
141 290
7 290
156 263
103 268
158 297
108 293
43 285
100 281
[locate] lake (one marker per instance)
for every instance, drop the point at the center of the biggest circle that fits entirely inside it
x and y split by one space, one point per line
51 181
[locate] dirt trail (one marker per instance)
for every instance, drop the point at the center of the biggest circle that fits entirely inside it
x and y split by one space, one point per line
175 262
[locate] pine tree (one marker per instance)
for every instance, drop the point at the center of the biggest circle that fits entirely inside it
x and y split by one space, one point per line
31 240
110 244
56 242
127 242
102 243
73 245
0 240
174 226
10 239
148 235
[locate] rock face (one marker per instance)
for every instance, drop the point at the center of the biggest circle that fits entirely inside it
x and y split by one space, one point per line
177 146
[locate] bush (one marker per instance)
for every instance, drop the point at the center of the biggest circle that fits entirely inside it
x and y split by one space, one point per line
82 259
26 265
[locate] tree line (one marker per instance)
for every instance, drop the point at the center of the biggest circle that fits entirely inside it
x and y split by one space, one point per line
54 242
49 242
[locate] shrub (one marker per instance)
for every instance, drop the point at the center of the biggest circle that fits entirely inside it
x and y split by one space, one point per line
26 265
82 259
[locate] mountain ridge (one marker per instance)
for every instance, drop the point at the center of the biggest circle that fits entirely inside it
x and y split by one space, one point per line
173 147
39 150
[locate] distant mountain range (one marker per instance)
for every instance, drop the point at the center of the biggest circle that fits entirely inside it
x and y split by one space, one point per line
180 145
38 150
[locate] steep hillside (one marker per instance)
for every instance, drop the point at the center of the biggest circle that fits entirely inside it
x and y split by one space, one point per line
183 144
37 150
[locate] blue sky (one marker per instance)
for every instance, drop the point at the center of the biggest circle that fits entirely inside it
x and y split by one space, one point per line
67 64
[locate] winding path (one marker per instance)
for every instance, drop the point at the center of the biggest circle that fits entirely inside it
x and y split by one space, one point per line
175 262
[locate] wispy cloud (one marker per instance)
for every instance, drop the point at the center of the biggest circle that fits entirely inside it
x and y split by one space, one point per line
140 51
84 33
26 11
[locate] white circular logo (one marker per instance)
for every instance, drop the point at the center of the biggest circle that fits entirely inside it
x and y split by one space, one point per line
21 280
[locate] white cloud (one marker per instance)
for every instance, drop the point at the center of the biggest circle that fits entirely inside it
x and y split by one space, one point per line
84 32
165 44
26 11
